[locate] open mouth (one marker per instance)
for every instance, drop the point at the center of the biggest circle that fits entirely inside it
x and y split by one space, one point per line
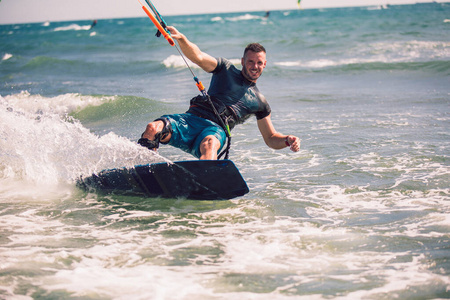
254 73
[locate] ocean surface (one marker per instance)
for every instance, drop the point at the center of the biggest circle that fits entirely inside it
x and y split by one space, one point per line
361 212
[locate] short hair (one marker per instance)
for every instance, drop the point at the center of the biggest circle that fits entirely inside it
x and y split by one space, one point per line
255 47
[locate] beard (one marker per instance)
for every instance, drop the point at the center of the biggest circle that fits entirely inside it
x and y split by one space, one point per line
250 75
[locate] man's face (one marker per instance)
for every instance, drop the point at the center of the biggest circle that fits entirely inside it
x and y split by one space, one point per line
253 63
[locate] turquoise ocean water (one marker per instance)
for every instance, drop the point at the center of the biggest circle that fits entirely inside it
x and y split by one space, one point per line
361 212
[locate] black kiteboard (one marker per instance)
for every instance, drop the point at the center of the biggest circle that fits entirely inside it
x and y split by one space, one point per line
196 179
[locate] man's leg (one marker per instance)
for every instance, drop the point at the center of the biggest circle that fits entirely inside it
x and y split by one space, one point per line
209 147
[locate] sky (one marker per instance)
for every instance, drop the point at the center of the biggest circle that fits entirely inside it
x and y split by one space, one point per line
33 11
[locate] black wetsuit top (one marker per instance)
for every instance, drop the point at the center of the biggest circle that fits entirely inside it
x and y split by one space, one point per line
241 96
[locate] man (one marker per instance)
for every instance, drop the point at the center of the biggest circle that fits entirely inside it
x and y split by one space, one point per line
93 24
234 94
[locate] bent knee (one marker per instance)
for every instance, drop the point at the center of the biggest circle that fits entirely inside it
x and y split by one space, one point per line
210 141
152 127
209 144
209 147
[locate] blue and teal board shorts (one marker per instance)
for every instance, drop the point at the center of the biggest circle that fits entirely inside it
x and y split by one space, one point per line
189 130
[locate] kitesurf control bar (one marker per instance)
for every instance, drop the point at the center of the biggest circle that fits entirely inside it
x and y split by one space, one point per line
161 25
158 25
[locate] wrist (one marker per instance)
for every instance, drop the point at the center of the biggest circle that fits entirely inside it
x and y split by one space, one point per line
286 141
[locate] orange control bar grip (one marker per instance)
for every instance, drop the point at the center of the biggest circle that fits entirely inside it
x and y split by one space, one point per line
200 86
160 28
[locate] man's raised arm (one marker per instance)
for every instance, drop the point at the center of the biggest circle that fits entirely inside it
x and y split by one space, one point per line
193 52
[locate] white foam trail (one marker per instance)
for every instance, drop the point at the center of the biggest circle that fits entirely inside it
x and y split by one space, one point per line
217 19
6 56
74 27
244 18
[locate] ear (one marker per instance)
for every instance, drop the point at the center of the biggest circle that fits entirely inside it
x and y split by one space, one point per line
242 62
